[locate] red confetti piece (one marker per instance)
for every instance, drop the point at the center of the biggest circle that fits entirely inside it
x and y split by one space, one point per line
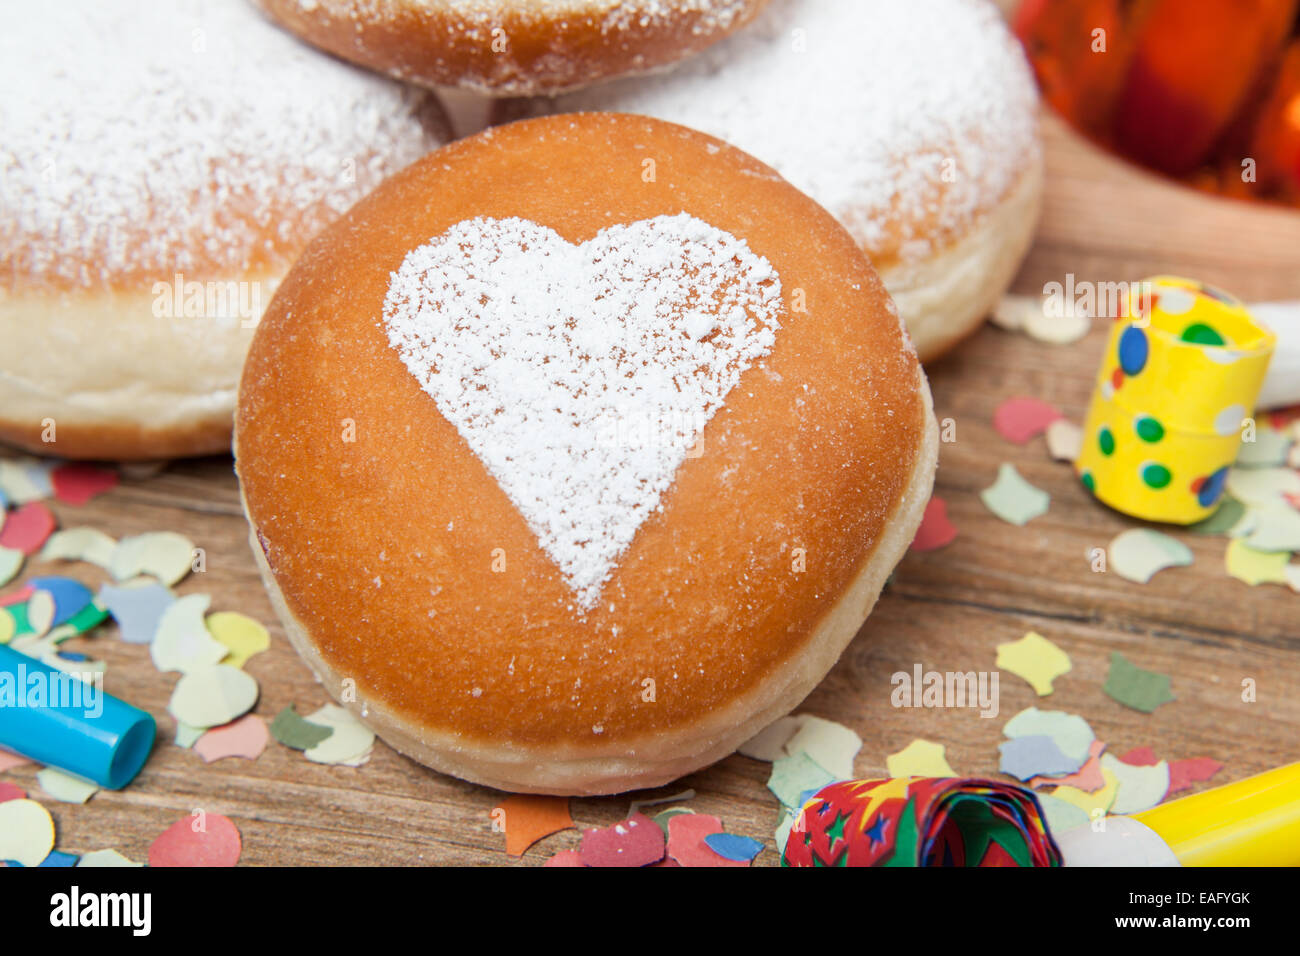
27 528
246 737
1020 419
637 841
936 530
565 858
686 833
181 844
18 597
77 483
8 761
1184 773
1140 757
9 791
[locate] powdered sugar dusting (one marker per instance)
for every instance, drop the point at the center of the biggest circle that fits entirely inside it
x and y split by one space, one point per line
906 120
141 138
581 375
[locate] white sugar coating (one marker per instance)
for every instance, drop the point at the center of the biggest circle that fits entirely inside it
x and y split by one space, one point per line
143 138
581 374
906 120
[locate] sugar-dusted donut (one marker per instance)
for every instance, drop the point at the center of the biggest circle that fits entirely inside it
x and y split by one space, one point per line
512 47
162 165
578 451
914 123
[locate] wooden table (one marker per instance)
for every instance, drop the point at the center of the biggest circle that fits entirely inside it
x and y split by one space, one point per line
946 609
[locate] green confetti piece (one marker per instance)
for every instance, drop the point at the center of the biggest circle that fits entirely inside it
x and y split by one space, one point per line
1134 687
88 618
291 730
1013 499
1223 520
792 776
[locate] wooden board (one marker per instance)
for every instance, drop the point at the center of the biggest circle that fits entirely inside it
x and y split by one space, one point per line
945 610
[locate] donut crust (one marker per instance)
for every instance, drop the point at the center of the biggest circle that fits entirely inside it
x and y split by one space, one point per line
517 48
731 602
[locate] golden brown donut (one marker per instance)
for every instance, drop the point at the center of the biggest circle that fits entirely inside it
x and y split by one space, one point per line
512 47
468 629
162 166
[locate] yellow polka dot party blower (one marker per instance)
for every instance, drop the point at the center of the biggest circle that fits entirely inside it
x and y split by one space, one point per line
1183 367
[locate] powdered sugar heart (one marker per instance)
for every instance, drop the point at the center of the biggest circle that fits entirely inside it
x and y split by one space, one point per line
581 375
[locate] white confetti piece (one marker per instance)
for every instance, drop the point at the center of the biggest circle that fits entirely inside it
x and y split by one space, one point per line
1139 553
1140 788
26 832
350 742
213 695
165 555
1013 499
66 787
182 642
105 858
1064 440
80 544
11 562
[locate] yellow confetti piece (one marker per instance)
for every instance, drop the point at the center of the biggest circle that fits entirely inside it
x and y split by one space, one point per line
7 626
1036 659
165 555
1089 803
1256 567
65 787
241 635
920 758
26 832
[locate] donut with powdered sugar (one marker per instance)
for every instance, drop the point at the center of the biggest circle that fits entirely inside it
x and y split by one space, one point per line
162 165
577 452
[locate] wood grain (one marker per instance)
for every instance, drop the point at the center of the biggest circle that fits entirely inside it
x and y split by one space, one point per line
947 609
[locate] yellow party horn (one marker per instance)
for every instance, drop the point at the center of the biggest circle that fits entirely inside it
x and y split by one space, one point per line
1182 371
1253 822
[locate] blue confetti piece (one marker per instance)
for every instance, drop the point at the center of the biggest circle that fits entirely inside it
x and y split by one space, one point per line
733 846
70 596
1034 756
137 610
60 859
75 656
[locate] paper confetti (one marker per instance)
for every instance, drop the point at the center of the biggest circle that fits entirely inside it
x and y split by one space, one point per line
1138 553
1035 659
1094 804
1277 529
527 818
65 787
936 531
1026 314
349 743
246 737
26 528
207 839
1088 777
687 841
291 730
636 841
920 758
105 858
565 858
1064 440
1134 687
1013 499
182 642
830 745
769 743
9 760
1224 519
1184 773
213 695
242 636
76 483
11 562
165 555
1140 788
1269 449
659 801
1033 756
11 791
26 832
1070 731
58 859
1020 419
23 480
79 544
793 776
1061 815
1142 756
1263 487
187 736
137 607
734 847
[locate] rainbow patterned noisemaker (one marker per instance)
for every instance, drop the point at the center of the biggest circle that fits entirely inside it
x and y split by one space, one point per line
1182 370
921 821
